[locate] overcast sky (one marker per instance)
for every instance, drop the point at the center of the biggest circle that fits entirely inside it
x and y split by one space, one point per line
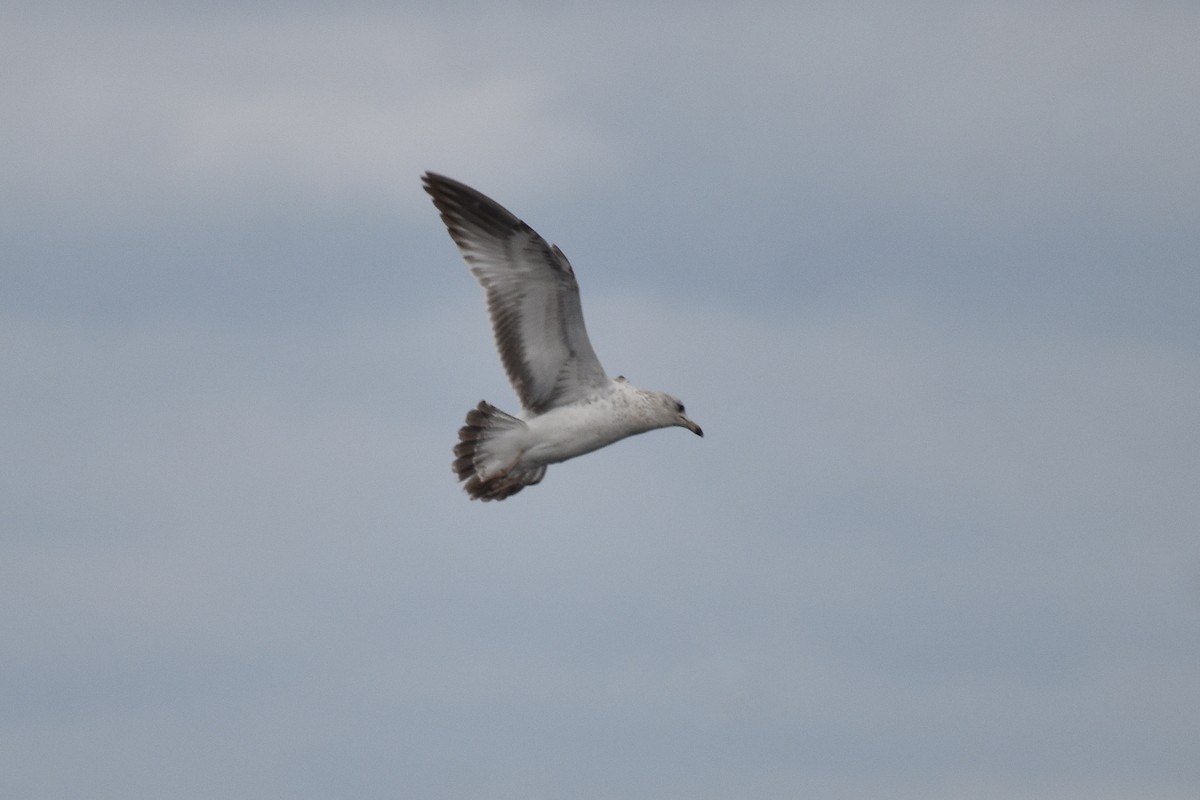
927 274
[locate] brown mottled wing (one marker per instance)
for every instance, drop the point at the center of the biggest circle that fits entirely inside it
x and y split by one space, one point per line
532 297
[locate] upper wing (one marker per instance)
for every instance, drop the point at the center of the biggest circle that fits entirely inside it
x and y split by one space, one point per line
532 297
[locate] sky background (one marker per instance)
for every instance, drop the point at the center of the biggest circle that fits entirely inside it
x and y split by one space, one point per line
926 273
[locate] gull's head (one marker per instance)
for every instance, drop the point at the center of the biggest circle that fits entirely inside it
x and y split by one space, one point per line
676 415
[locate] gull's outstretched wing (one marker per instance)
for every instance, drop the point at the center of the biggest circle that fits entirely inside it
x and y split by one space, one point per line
532 297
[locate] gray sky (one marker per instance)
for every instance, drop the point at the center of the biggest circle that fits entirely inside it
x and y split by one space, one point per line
926 274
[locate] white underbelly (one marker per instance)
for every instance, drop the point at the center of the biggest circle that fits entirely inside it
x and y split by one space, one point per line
567 432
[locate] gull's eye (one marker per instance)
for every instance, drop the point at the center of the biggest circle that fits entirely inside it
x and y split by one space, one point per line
679 407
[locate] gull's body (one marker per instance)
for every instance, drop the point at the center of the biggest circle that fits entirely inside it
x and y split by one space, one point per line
569 404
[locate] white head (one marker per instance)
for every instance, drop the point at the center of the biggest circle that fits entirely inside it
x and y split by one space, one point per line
672 413
659 409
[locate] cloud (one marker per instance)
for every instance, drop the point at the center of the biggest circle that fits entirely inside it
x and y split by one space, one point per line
898 535
116 117
978 115
939 535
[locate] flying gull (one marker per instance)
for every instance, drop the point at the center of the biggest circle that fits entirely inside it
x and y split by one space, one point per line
570 406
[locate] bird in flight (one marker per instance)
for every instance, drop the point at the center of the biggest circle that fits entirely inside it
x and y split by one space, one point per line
569 404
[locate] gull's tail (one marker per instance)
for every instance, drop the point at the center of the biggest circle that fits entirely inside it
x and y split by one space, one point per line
488 452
